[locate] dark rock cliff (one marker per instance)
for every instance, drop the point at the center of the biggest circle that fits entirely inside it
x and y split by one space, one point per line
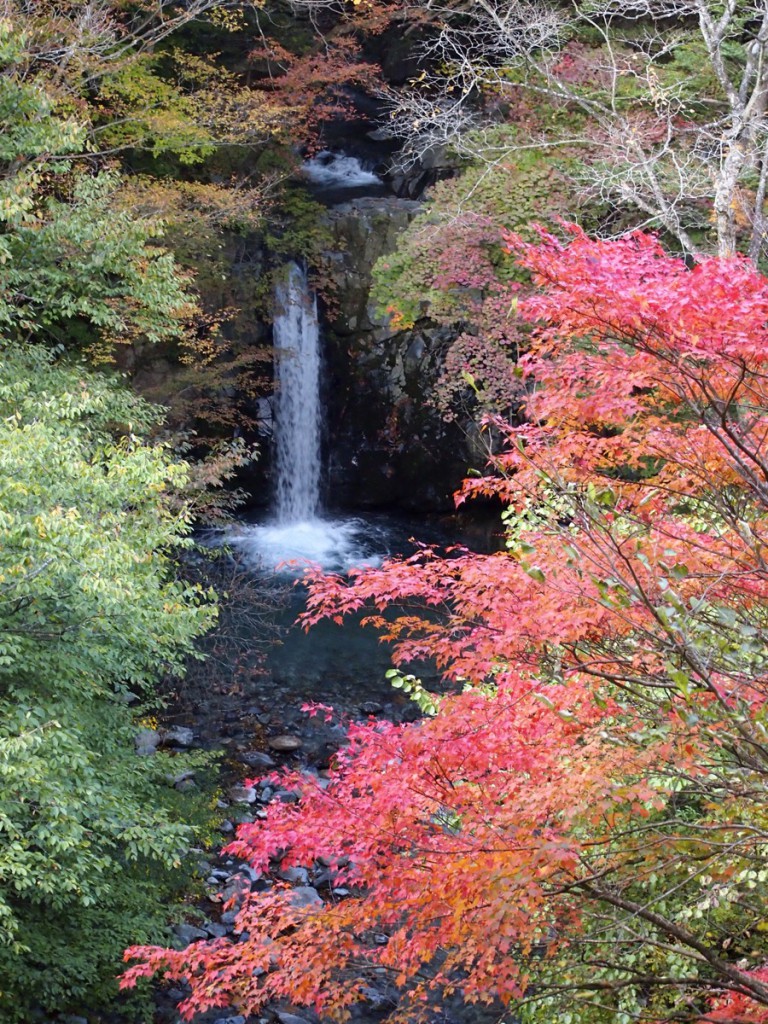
387 444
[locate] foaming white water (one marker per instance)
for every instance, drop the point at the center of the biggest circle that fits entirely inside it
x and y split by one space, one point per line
297 400
334 544
335 170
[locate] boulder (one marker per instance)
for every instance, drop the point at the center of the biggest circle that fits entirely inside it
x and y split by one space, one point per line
290 1018
146 741
187 933
242 794
256 759
305 896
284 744
178 736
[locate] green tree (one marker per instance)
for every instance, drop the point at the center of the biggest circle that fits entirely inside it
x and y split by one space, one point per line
92 837
81 271
91 611
74 266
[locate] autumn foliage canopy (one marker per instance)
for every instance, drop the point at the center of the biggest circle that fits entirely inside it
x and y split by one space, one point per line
581 828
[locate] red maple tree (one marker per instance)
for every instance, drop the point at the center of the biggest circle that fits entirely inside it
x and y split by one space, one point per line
581 827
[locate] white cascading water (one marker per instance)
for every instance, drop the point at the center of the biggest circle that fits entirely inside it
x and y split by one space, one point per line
297 400
297 535
338 171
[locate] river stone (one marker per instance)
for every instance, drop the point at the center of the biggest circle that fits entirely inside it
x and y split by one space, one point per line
239 1019
305 896
256 759
242 794
249 871
290 1018
300 876
215 930
322 877
146 741
374 997
371 707
237 889
188 933
178 736
287 796
284 744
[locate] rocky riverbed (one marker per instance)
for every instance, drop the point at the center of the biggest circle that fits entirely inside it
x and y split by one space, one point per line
250 709
229 881
267 738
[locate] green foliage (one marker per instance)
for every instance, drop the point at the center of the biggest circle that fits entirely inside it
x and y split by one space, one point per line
142 110
179 108
427 702
75 266
31 137
26 114
296 228
90 612
80 270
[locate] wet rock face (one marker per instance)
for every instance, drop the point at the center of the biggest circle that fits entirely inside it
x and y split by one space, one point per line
390 445
363 230
387 444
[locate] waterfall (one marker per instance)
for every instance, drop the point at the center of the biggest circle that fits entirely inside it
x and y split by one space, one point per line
297 400
296 534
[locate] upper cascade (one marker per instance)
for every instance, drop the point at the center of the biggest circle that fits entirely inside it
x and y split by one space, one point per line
338 171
